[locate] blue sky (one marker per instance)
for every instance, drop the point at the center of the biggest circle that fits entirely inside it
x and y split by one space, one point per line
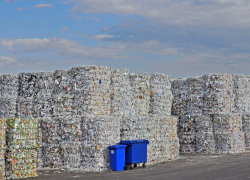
177 37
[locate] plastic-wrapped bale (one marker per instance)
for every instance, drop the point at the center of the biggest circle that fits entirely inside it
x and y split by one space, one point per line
21 163
10 86
43 99
179 91
205 142
242 93
228 133
160 95
2 163
71 142
92 90
218 94
195 88
52 138
62 96
97 134
120 93
246 129
21 154
187 134
140 94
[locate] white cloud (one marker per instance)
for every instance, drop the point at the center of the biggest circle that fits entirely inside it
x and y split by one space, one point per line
98 37
153 47
21 9
6 60
215 12
43 6
64 29
63 47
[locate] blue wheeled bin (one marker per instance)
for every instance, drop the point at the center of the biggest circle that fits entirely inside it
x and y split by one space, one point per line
117 157
136 152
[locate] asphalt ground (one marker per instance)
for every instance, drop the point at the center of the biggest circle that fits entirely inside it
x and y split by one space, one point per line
188 167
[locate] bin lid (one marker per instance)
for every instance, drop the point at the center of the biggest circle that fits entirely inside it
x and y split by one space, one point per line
136 141
117 146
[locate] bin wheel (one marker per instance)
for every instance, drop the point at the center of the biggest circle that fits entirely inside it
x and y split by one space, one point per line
135 165
126 167
144 164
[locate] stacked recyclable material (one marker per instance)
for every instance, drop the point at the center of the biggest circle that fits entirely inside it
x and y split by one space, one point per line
71 142
91 86
2 147
205 142
242 93
195 93
160 95
9 86
21 155
62 96
218 93
43 111
187 134
228 134
164 142
27 92
179 90
120 93
97 134
246 129
140 94
92 90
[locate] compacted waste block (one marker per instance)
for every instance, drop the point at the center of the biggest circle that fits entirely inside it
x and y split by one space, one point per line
136 152
117 157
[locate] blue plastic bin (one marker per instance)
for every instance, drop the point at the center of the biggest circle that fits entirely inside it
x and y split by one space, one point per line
117 157
136 151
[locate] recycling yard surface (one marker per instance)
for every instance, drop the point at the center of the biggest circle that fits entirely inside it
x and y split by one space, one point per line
188 167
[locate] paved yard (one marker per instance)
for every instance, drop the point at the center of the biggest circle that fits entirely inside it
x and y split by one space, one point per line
188 167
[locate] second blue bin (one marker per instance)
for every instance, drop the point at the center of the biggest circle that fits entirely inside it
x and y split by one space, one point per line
136 151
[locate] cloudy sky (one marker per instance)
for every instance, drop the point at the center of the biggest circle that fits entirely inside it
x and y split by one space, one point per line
177 37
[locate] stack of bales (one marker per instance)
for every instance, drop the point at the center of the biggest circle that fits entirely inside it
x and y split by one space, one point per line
208 97
164 142
43 111
2 147
63 137
92 103
21 155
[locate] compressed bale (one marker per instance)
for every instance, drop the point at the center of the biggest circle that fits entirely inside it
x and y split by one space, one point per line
180 94
242 93
246 129
97 134
205 142
218 94
160 95
187 134
2 163
140 94
228 133
21 154
120 93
